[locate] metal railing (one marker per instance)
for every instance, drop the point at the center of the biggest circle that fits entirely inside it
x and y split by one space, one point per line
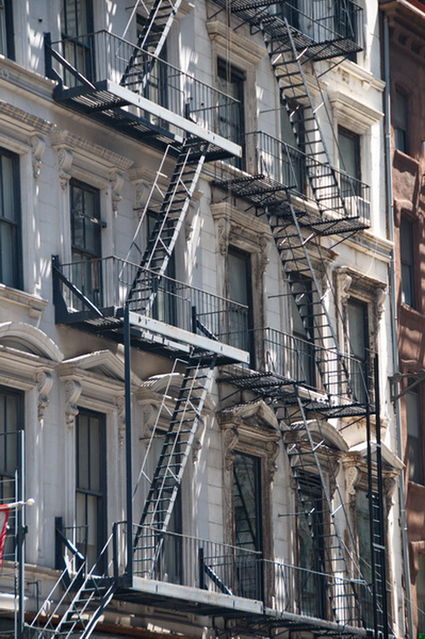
290 167
100 56
313 366
107 282
239 572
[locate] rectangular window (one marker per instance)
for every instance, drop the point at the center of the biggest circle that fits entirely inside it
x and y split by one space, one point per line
414 436
10 221
290 12
349 161
293 158
401 119
7 47
302 354
170 562
420 595
86 240
77 24
311 549
165 305
11 421
231 82
358 341
247 524
153 80
407 235
362 523
91 483
240 290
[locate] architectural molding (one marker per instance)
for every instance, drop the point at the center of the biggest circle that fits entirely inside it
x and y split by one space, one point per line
352 113
38 145
240 48
44 381
33 304
73 390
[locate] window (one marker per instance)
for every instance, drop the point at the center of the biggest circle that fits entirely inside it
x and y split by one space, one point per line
420 595
414 436
345 23
153 83
247 524
91 483
311 550
289 11
302 353
358 341
240 291
86 240
77 24
408 293
293 158
231 117
362 522
7 47
10 221
401 119
349 161
170 561
164 307
11 421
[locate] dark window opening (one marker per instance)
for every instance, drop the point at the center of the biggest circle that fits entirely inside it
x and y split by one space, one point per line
311 546
365 557
303 367
86 240
7 44
166 301
153 81
239 290
401 120
350 162
231 82
407 234
77 41
10 221
358 338
247 524
293 158
91 484
415 452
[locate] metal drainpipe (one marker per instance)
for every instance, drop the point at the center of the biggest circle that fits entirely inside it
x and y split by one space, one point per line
393 308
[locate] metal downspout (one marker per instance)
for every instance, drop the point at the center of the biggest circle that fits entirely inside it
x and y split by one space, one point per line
393 315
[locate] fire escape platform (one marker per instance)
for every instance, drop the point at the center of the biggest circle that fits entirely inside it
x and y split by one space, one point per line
109 99
202 602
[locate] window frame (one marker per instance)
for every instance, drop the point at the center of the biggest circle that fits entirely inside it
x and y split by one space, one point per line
400 127
409 264
246 256
76 43
418 444
16 266
101 495
231 74
347 186
8 32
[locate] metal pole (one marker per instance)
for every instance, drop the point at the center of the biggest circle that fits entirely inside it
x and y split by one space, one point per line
380 490
20 522
128 444
371 539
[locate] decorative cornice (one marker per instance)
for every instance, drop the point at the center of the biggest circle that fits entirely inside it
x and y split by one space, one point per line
23 121
72 394
34 305
359 116
238 47
44 380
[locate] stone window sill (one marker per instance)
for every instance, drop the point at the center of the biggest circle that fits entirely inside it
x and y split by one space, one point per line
34 305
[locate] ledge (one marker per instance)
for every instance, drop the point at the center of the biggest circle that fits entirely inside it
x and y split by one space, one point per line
236 45
34 305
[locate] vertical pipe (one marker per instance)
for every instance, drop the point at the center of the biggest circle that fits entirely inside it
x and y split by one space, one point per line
380 487
371 539
128 444
20 520
393 316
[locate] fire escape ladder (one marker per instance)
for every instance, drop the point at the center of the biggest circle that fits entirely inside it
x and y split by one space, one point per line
80 606
152 38
338 569
169 220
293 248
287 63
175 452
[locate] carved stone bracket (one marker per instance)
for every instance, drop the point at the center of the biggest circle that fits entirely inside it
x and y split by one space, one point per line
65 159
72 394
117 183
263 257
38 145
120 404
223 232
44 380
344 281
230 439
272 449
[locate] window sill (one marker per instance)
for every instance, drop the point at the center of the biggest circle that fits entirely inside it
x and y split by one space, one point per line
405 162
410 310
34 305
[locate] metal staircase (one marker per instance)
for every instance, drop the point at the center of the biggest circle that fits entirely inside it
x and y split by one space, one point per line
169 219
310 460
79 606
172 461
293 243
151 38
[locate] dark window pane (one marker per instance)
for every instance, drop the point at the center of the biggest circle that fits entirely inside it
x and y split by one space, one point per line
407 262
230 81
401 119
349 161
414 437
10 231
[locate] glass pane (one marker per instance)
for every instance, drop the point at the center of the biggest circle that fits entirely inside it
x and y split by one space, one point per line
420 594
349 150
8 205
8 254
3 40
83 480
246 501
238 277
95 453
357 327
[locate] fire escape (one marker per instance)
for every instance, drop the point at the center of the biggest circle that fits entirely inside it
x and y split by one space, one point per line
118 86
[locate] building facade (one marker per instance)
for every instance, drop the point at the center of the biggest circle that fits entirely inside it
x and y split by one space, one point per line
405 23
195 326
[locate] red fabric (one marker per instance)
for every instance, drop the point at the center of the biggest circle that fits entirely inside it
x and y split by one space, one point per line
4 518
